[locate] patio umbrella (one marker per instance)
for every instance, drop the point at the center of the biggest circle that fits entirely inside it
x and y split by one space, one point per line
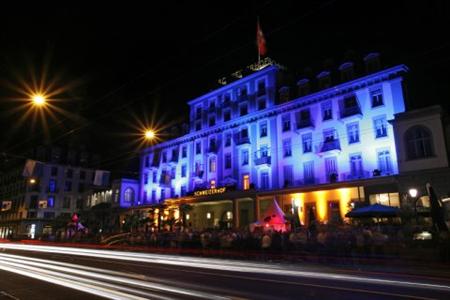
374 211
437 211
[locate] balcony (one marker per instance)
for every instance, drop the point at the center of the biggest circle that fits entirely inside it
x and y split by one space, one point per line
330 145
351 111
243 97
307 123
165 180
212 148
263 160
359 174
240 140
198 174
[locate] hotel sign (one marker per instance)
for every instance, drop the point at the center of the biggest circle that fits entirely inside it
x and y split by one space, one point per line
210 192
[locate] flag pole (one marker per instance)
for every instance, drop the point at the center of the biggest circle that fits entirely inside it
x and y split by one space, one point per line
257 40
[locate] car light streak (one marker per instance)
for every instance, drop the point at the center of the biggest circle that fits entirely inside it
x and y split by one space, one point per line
41 267
222 265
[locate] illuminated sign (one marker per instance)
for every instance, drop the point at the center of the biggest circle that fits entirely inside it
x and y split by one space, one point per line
210 192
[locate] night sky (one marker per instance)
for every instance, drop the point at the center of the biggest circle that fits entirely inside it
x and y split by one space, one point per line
117 64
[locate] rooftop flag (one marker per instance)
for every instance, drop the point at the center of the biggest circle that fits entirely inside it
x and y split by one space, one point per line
260 41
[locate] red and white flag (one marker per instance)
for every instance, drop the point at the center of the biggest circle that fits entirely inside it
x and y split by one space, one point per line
260 40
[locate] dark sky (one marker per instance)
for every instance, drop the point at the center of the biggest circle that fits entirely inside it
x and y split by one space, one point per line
120 63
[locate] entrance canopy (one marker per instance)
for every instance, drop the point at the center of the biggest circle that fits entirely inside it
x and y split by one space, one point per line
374 211
273 218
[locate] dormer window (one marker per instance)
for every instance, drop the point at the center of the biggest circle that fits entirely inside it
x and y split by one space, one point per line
212 106
243 109
212 121
347 72
376 97
303 87
324 79
226 115
226 98
243 93
198 112
372 62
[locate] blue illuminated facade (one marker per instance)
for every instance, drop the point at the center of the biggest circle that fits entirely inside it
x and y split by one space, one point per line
257 134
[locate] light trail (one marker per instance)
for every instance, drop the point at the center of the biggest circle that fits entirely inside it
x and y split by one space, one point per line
223 265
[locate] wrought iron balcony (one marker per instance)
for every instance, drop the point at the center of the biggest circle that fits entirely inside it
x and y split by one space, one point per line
359 174
263 160
350 111
307 123
330 145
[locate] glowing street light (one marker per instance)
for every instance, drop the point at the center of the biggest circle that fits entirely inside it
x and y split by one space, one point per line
38 100
149 134
413 193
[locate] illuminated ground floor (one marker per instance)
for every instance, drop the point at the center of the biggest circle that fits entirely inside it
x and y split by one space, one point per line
237 209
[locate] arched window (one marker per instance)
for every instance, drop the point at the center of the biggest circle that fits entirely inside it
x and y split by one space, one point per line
418 142
128 195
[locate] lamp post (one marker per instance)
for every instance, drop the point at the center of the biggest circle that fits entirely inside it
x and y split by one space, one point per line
413 194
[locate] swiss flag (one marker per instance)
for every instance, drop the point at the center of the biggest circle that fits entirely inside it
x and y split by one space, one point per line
260 40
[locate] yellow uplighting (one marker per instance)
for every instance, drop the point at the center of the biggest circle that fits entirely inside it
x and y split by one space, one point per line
149 134
299 204
321 205
38 100
344 200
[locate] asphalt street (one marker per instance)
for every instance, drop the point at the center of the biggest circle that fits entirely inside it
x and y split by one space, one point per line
44 272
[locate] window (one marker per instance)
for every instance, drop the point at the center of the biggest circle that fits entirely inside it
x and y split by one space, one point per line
164 157
264 181
287 149
51 201
183 191
146 164
66 202
228 140
262 104
155 177
384 162
128 195
244 157
264 151
287 176
173 172
68 186
83 174
212 121
175 154
244 133
198 112
262 129
380 126
353 133
212 164
163 195
228 161
331 168
389 199
54 171
419 143
226 98
377 97
243 109
246 182
212 145
79 203
212 184
286 121
153 195
145 178
69 173
183 171
356 166
183 152
226 115
307 142
80 187
261 88
52 186
243 93
212 105
198 148
327 112
33 202
198 126
172 192
329 135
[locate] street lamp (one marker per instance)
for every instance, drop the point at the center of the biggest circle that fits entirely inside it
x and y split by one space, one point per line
149 134
38 100
413 193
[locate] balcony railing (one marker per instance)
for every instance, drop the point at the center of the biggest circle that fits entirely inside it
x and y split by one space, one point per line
307 123
360 174
242 140
330 145
263 160
350 111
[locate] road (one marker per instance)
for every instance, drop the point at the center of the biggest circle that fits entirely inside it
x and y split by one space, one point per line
48 272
